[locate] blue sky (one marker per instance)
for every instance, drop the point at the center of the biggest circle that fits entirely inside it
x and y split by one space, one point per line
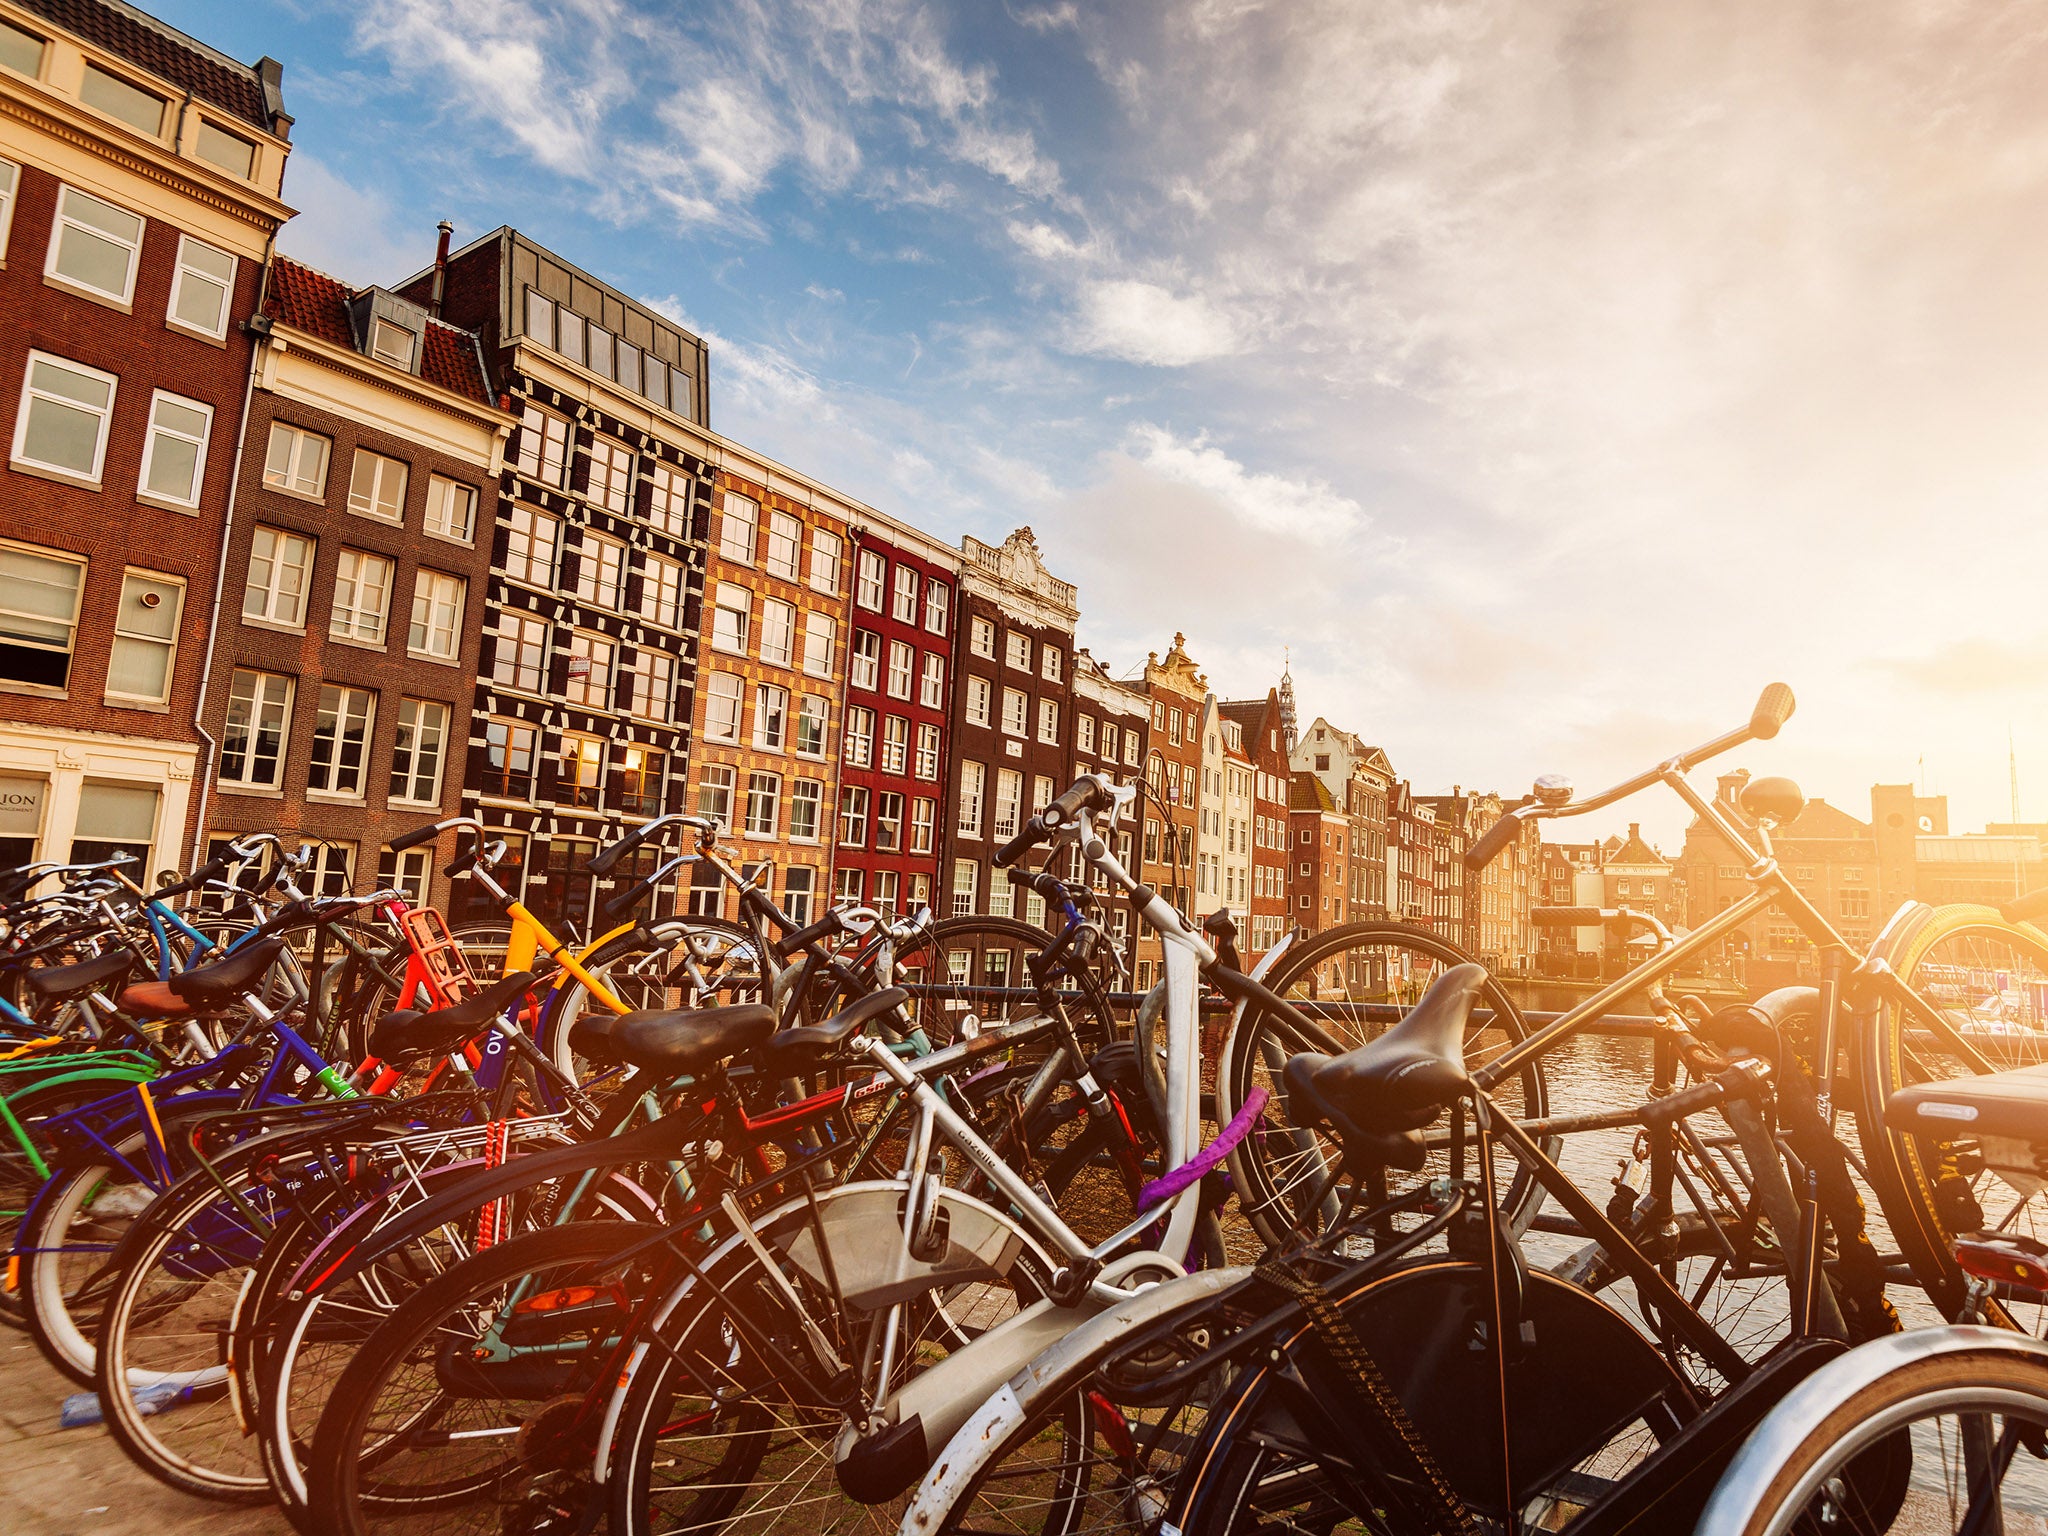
1546 375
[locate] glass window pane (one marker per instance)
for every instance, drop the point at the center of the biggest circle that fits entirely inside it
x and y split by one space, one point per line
19 50
124 813
234 155
117 98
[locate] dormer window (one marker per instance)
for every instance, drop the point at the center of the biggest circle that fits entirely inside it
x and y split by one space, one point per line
391 344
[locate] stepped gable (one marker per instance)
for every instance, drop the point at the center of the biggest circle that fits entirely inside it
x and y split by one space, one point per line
162 50
309 300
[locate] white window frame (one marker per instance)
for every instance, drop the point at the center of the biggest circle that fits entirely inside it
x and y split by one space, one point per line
383 470
410 753
159 642
811 708
729 598
973 784
864 660
981 638
10 186
1050 666
260 704
771 717
654 685
870 577
763 789
1017 651
61 221
895 744
661 591
30 393
903 595
778 632
155 429
730 522
432 595
925 756
269 614
398 355
442 495
785 533
719 689
821 638
858 737
1049 721
715 785
346 695
807 794
611 475
980 700
828 550
931 684
296 440
938 602
853 816
592 558
186 269
924 820
902 669
1016 713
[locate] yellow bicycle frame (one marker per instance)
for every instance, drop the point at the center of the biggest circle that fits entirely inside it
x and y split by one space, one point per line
530 936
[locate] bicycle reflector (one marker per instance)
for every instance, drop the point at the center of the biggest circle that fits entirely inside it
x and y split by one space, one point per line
2005 1258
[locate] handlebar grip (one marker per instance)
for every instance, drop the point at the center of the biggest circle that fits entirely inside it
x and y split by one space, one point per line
414 838
1772 710
1496 838
464 861
2027 908
1565 917
606 860
1739 1082
1081 795
1034 833
212 869
823 928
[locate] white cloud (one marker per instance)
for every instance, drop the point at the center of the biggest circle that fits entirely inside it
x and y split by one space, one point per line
344 230
1142 322
1300 509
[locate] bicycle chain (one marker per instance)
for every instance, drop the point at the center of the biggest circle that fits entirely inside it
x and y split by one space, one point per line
1447 1510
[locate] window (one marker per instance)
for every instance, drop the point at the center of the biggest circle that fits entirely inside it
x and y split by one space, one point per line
1017 651
65 408
230 151
511 759
966 876
581 779
978 693
733 608
145 638
859 746
806 803
600 571
611 475
901 658
1050 663
629 366
903 606
1173 720
923 818
864 661
21 51
722 694
94 245
253 741
437 602
661 591
820 634
280 566
739 528
174 454
451 509
201 289
653 674
785 544
888 821
764 803
391 344
1009 803
853 817
543 446
341 735
771 717
1084 733
417 751
668 501
1130 749
640 774
825 554
520 659
1049 720
362 598
296 461
895 744
799 884
981 638
714 793
1041 793
931 688
927 761
540 319
530 546
376 487
707 885
938 601
778 632
589 679
868 586
1016 712
139 109
973 778
812 719
600 350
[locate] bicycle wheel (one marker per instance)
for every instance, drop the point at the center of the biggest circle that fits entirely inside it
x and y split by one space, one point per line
970 971
1989 980
19 1176
1893 1438
1353 982
460 1413
67 1244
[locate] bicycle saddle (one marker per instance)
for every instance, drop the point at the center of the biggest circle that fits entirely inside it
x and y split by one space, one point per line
687 1040
2012 1105
60 983
805 1039
1379 1096
407 1032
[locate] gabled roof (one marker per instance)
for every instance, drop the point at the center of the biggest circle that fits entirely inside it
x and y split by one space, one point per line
1306 792
311 301
1633 850
164 51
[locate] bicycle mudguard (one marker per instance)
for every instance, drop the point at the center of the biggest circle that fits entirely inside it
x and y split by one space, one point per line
1668 1490
1055 1369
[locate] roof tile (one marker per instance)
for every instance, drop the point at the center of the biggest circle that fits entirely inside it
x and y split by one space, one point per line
163 51
311 301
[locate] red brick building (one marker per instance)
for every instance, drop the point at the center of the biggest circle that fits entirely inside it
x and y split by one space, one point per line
1318 854
1263 731
139 177
1111 723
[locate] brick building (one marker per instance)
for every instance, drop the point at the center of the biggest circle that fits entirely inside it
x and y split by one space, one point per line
1237 812
1318 854
1012 710
1111 723
902 632
139 191
586 675
1263 732
356 573
1361 782
1173 771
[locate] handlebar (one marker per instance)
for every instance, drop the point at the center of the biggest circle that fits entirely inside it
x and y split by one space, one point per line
1742 1081
1090 792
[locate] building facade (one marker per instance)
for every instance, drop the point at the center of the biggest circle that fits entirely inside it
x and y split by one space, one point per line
1262 730
1177 692
1318 872
357 569
1111 724
139 192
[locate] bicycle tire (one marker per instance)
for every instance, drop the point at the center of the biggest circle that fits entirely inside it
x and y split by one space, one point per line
19 1180
1277 1166
1926 1187
51 1309
959 953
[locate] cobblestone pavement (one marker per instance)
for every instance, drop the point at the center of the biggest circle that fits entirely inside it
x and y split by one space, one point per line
77 1482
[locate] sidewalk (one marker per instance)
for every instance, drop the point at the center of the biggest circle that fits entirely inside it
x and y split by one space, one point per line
77 1482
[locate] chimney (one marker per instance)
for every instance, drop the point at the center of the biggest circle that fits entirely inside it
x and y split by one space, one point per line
441 267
